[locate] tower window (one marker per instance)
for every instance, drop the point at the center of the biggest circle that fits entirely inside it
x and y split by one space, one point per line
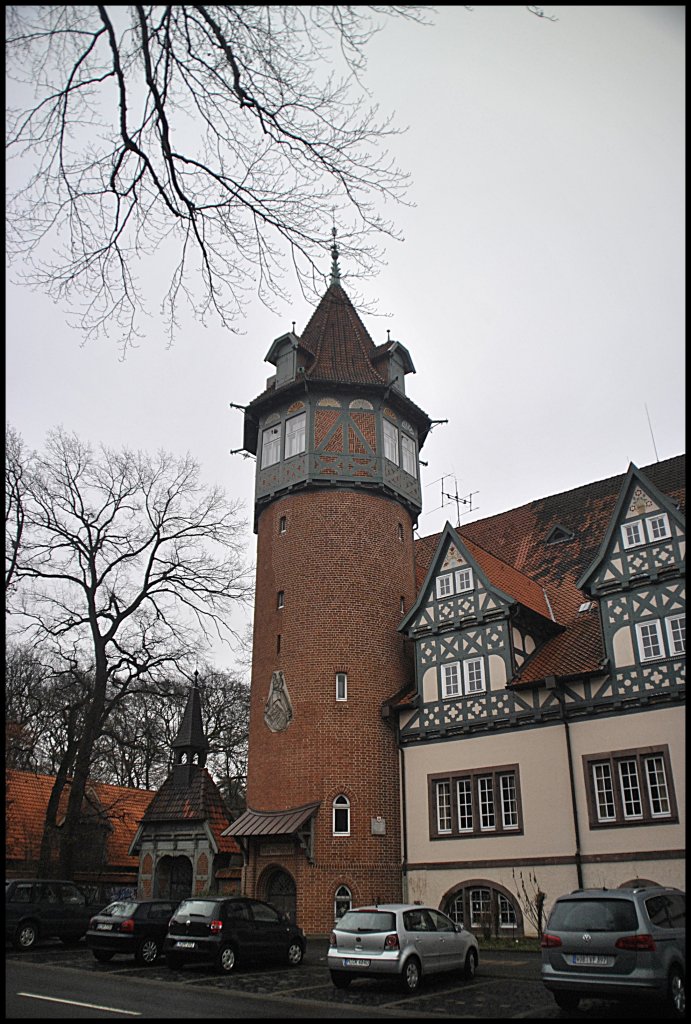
400 531
341 686
271 446
280 599
278 644
409 452
341 816
390 442
295 434
282 524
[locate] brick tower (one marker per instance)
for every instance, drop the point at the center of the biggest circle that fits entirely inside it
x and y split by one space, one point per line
337 497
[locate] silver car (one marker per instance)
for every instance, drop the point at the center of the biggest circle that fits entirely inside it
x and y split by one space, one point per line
617 944
400 940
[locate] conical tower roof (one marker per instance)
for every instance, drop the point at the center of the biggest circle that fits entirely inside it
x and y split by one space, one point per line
339 343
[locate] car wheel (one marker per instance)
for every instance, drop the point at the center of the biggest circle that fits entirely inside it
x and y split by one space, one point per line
470 965
25 936
148 951
412 975
226 959
295 953
174 962
566 1000
102 956
676 993
340 979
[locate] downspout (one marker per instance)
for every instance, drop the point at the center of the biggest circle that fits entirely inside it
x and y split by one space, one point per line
551 683
404 818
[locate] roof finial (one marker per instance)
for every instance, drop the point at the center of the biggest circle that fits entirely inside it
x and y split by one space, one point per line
335 269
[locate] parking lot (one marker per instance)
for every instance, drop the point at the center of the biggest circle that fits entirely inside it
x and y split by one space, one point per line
507 986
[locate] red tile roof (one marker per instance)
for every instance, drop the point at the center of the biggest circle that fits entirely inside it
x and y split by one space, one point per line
338 340
26 800
200 801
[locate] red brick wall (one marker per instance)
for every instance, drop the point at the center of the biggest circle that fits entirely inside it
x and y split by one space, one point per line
343 570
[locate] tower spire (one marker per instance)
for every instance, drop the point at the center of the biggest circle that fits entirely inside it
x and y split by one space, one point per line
335 269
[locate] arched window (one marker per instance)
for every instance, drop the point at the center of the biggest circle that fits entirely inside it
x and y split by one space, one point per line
343 901
486 909
341 816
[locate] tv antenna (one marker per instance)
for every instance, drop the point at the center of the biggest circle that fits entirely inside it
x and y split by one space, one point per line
452 497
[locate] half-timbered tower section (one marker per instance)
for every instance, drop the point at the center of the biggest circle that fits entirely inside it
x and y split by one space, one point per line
337 496
543 742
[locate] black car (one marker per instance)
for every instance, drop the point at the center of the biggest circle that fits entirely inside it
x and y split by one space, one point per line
225 931
45 908
134 927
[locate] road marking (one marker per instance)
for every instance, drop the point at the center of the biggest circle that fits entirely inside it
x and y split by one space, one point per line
71 1002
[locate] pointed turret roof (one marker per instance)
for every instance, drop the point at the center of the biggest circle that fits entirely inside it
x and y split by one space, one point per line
339 343
191 732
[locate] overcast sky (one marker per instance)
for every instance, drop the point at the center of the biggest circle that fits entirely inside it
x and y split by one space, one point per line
539 289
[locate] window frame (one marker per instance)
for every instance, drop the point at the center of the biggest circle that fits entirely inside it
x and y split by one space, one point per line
470 664
408 455
445 578
272 446
626 539
340 805
342 692
498 819
672 647
291 434
650 790
447 683
391 442
649 624
467 572
660 517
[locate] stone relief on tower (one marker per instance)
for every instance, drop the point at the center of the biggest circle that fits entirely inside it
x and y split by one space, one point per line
278 711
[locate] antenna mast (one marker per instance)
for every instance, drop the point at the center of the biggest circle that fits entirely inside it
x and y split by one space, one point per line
467 500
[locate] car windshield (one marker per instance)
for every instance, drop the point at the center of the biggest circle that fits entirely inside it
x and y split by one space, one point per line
600 915
196 908
367 921
119 909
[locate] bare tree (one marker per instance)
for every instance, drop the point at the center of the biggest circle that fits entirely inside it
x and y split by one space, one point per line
126 561
230 133
16 460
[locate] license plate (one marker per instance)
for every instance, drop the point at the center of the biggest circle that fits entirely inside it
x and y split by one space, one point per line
104 927
356 963
184 945
588 960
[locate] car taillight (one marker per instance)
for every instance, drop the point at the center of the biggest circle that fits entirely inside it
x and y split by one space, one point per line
127 925
391 941
638 943
92 922
332 939
548 941
215 927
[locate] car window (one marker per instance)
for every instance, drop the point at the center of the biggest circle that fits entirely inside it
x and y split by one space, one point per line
20 893
49 893
71 894
263 912
418 921
442 923
236 912
367 921
161 911
667 910
601 915
197 908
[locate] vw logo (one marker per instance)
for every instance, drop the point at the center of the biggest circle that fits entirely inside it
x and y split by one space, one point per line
587 937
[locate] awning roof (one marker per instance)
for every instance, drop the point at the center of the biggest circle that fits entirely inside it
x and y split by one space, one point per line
271 823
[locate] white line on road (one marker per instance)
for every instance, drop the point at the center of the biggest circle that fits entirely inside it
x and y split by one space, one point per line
71 1002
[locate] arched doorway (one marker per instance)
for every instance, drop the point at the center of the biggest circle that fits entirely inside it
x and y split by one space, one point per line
173 878
280 891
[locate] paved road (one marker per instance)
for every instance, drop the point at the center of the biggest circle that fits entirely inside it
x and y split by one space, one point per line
507 986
